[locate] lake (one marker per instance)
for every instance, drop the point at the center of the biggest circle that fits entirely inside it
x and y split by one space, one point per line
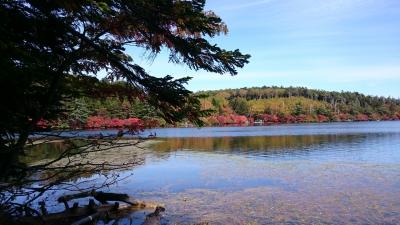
332 173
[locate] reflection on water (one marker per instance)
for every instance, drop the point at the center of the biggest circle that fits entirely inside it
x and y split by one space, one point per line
282 130
81 161
333 177
250 145
354 147
44 151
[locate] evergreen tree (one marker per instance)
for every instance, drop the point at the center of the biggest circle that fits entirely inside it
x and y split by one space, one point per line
78 112
298 109
240 106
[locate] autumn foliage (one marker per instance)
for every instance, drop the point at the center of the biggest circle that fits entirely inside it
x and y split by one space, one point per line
98 122
269 119
234 107
230 119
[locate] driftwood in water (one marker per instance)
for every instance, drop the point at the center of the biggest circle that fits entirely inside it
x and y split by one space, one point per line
87 219
83 215
98 214
80 214
77 213
154 218
102 197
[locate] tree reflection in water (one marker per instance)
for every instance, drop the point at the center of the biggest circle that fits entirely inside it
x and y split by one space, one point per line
266 146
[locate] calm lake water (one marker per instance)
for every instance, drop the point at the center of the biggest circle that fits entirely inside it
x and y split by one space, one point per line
338 173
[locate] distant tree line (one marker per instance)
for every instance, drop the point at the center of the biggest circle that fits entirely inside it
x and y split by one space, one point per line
299 104
111 108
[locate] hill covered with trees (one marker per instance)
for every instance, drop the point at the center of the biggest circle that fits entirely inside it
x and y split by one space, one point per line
244 106
266 105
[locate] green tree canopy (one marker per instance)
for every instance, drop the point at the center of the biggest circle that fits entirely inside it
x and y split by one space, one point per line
239 105
45 44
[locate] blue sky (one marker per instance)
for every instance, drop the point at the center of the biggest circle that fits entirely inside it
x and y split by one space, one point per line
327 44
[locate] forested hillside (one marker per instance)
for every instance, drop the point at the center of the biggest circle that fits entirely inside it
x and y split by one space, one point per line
299 104
245 106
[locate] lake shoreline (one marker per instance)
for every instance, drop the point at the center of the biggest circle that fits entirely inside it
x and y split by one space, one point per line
192 126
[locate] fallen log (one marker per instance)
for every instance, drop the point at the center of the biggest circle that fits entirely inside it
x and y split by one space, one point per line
82 215
99 214
87 219
77 213
102 197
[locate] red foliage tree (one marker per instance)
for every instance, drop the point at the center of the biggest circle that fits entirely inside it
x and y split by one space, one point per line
322 118
301 118
97 122
398 116
42 124
361 117
268 118
344 117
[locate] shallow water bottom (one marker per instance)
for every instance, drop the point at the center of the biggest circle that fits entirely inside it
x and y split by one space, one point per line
297 191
